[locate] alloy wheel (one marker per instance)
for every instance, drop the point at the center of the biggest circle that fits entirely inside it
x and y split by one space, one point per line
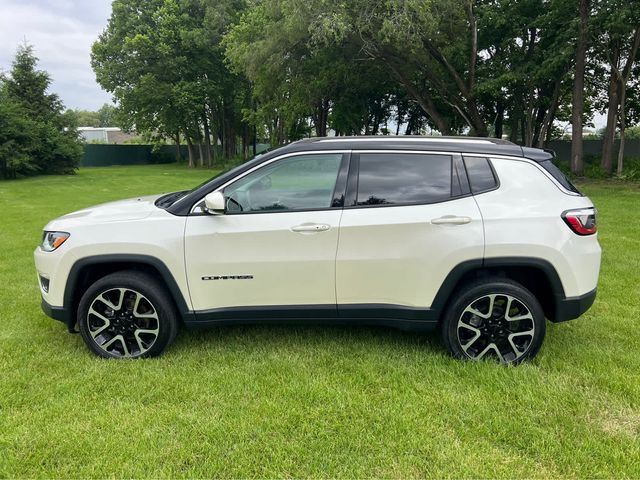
123 322
497 325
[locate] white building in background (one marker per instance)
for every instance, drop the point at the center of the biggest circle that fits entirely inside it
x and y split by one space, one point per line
104 135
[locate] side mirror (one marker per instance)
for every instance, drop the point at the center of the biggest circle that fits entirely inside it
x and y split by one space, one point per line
215 203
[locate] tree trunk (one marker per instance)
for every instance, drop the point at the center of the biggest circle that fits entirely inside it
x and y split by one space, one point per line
513 120
577 161
191 152
612 119
321 117
424 100
207 138
528 127
478 126
410 122
245 140
498 124
623 95
228 130
537 123
178 154
626 72
255 140
547 137
550 115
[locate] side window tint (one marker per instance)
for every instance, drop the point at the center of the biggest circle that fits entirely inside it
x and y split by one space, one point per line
559 176
480 174
401 178
295 183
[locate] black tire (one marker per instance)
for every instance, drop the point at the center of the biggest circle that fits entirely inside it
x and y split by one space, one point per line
147 332
473 322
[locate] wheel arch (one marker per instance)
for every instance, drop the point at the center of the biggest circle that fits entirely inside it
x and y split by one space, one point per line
87 270
535 274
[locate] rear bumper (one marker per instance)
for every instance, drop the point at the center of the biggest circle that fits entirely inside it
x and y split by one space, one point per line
573 307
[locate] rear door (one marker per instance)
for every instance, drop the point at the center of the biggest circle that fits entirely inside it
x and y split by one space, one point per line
409 219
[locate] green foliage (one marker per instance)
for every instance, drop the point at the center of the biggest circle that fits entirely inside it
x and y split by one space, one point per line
106 116
36 137
86 118
632 133
163 63
285 69
631 170
593 170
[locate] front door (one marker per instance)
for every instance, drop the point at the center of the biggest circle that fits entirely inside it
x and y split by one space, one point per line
276 244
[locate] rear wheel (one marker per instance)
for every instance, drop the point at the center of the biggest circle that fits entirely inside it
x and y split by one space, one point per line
127 315
494 318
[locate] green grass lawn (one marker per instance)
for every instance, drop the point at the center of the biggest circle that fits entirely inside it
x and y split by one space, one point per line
310 401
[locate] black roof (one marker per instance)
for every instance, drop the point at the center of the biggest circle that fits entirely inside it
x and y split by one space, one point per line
411 142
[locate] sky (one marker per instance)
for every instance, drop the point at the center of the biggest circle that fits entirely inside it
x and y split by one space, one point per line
61 32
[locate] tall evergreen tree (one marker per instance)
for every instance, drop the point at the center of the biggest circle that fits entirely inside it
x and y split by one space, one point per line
45 139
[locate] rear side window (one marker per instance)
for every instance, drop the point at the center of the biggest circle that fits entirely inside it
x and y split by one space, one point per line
398 178
480 174
559 176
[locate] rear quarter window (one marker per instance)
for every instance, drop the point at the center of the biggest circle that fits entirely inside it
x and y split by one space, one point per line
481 175
556 173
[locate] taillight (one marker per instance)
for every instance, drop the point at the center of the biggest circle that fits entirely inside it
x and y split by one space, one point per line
582 221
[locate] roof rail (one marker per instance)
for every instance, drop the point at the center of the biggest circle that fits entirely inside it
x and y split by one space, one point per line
412 138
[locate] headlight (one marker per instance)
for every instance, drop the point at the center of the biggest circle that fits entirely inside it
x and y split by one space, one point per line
52 240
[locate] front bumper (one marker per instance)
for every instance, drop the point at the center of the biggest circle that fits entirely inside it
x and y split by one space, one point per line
59 313
573 307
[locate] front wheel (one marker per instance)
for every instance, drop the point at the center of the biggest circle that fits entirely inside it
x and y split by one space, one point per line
127 315
496 318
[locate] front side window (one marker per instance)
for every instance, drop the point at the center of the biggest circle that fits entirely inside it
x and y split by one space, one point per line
295 183
403 178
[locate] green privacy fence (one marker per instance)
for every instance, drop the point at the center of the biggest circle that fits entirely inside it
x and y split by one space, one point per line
99 155
593 148
102 155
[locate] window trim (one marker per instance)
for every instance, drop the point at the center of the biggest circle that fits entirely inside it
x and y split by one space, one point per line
354 176
196 210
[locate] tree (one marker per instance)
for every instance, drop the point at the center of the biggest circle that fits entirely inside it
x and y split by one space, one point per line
301 84
17 138
577 163
37 137
471 66
107 116
87 118
618 45
163 62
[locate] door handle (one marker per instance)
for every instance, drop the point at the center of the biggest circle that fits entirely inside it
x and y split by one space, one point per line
451 220
311 227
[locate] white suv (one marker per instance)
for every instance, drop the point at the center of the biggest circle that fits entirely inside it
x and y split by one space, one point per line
480 238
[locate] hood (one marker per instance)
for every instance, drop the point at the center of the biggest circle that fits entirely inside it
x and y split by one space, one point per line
119 211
